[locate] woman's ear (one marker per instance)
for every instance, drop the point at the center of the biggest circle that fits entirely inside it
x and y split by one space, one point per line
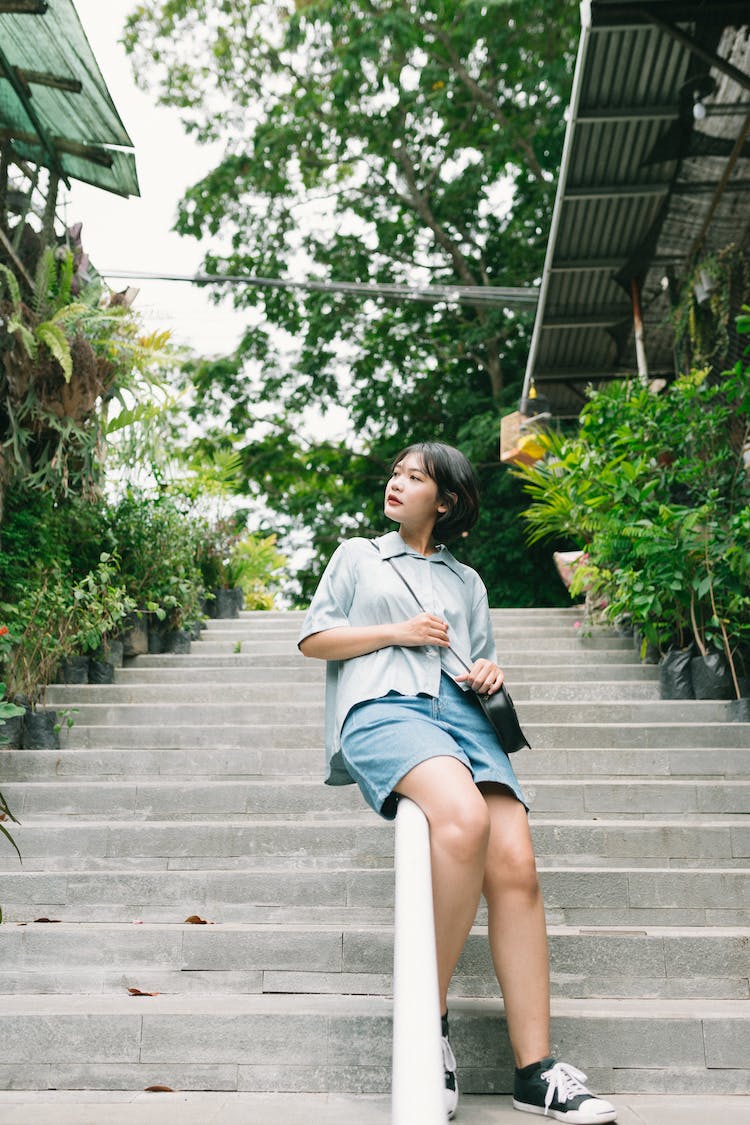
447 502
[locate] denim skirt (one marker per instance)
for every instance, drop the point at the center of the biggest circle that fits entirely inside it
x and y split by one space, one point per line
382 739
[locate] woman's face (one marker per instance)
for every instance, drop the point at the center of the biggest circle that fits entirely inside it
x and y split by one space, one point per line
411 495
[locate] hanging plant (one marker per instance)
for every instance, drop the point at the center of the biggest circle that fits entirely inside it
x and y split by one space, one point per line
704 318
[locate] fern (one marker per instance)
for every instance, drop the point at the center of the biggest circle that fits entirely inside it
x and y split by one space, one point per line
56 342
15 324
65 281
43 282
12 283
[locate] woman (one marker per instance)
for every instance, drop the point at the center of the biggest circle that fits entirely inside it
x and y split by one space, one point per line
402 720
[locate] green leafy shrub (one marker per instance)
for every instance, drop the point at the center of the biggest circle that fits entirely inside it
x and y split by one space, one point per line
230 557
157 544
654 488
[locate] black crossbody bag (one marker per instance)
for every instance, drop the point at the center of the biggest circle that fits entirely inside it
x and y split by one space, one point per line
499 707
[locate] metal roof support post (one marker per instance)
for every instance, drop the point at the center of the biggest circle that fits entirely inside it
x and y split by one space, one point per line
4 166
575 98
19 228
48 222
640 346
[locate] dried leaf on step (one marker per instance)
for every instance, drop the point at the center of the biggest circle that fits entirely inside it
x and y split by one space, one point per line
140 992
196 920
158 1089
48 919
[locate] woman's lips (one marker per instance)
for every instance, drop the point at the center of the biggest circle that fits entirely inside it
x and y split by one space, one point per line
391 499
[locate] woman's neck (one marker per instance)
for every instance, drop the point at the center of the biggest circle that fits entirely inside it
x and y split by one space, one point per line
419 539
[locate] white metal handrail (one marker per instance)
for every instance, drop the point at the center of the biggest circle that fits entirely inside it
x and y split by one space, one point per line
418 1081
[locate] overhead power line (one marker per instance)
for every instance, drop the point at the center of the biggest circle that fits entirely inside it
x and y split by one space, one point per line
522 298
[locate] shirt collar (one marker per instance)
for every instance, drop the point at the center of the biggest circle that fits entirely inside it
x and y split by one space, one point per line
392 545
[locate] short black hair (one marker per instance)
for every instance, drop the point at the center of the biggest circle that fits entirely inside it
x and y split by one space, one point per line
456 484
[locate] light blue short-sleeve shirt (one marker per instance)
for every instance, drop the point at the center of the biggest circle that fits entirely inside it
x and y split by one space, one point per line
359 587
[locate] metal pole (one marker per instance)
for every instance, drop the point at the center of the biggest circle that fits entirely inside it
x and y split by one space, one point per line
418 1083
640 346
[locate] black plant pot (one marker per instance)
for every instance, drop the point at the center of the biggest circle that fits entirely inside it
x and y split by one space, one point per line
134 635
178 641
711 676
75 670
103 664
739 710
101 671
675 678
11 733
113 652
157 636
39 731
224 603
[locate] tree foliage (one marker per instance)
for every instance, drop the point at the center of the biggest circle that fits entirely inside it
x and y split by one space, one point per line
367 141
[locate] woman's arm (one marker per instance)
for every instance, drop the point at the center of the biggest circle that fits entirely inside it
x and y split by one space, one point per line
345 643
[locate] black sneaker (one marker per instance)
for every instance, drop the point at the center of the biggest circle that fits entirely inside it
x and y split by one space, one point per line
555 1089
449 1065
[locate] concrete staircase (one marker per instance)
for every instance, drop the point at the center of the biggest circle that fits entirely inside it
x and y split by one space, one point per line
191 787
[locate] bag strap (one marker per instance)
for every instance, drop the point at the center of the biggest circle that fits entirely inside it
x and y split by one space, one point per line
416 599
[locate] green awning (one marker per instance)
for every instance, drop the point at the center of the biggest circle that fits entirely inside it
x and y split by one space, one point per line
55 109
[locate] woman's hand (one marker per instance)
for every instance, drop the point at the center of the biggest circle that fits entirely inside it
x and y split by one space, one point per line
483 676
424 629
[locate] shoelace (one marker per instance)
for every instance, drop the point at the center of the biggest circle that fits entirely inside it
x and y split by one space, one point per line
449 1059
566 1081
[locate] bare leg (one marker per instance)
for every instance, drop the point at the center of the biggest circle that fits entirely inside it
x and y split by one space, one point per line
517 928
457 814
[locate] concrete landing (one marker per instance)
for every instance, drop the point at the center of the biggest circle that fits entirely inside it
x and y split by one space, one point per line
112 1108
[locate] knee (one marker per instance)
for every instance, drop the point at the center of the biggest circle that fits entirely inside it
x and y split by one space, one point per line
462 831
514 869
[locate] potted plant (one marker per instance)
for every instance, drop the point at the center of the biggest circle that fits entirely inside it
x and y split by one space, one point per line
42 632
101 605
156 545
653 488
220 571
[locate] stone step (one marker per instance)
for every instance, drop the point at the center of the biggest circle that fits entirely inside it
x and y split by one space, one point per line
292 619
289 657
258 677
167 798
344 1043
510 643
279 891
259 712
519 619
685 841
295 735
326 959
266 692
216 760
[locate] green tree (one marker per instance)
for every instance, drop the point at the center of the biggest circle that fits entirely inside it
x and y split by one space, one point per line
369 142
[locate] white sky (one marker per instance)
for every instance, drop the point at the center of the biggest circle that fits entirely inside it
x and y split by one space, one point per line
135 234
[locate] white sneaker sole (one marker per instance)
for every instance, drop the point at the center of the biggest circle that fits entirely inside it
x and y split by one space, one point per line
574 1116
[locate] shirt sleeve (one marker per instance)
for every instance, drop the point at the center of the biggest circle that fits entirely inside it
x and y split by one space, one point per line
332 600
480 626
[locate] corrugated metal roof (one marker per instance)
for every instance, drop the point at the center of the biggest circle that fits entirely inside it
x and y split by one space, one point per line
55 109
638 184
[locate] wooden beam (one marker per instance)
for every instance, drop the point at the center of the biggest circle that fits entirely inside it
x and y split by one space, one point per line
39 78
739 76
93 153
24 7
24 97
